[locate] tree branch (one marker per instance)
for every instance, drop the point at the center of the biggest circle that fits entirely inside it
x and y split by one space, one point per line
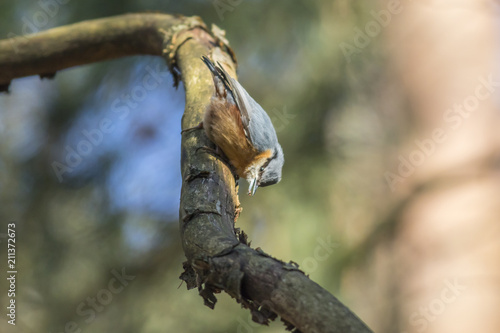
219 257
86 42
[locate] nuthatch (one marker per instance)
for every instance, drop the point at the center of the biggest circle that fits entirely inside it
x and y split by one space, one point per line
242 129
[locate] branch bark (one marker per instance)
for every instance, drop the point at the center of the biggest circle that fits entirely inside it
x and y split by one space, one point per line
218 255
86 42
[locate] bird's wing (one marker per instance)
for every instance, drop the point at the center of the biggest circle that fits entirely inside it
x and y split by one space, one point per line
240 97
261 140
236 91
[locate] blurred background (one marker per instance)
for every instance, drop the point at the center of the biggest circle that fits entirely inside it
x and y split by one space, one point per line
388 114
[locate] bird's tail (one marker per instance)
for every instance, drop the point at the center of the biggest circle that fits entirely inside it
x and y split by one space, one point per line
209 64
219 74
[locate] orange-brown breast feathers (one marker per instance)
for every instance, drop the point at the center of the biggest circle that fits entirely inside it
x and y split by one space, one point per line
224 127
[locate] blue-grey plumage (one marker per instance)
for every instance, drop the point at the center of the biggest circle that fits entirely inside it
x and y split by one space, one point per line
260 158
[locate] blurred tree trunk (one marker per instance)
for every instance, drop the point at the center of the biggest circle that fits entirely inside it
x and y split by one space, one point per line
447 248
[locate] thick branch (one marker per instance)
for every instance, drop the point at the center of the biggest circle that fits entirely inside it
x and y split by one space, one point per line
86 42
218 255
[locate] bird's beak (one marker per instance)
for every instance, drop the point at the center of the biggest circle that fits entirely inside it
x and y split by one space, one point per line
253 187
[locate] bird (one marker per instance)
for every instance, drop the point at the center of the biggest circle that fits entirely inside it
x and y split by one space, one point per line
241 128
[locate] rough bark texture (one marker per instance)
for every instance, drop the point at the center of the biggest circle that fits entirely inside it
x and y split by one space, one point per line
219 257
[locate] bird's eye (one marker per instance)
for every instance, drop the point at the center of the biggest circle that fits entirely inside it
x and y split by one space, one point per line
262 169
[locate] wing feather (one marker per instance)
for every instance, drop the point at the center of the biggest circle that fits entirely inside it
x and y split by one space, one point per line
233 88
